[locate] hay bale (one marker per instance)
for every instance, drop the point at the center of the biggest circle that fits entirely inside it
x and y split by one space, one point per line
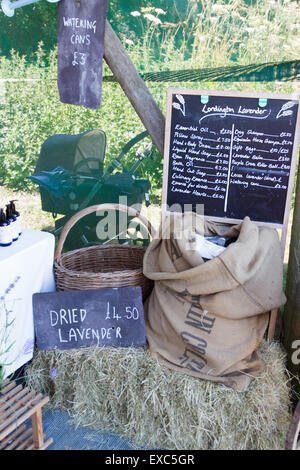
126 391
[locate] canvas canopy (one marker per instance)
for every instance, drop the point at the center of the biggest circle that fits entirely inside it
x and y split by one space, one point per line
74 153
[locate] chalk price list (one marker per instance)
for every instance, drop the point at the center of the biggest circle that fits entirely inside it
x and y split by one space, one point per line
211 163
131 313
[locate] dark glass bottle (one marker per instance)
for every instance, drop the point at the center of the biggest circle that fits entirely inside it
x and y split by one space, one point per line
17 215
5 230
12 220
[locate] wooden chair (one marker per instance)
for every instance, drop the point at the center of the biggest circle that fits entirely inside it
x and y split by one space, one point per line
17 404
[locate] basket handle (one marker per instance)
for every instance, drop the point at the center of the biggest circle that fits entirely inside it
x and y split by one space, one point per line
89 210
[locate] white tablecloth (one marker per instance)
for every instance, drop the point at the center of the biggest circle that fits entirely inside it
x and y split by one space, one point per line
26 267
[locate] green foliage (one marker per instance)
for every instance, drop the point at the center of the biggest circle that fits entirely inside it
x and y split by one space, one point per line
28 26
247 33
38 22
31 111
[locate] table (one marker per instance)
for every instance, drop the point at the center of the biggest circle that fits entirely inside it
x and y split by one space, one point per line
26 267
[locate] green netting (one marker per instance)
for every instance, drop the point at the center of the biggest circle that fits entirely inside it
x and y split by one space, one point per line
268 72
288 71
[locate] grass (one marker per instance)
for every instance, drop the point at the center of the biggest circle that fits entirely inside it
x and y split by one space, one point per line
29 206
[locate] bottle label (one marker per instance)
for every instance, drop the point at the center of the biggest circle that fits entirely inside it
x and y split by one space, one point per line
13 232
5 235
19 225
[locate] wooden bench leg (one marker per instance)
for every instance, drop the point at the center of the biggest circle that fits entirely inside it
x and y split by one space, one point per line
37 429
292 441
17 404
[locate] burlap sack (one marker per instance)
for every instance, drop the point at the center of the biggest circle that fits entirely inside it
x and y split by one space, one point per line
206 319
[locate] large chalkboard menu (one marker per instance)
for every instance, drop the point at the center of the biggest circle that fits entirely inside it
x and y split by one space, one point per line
233 153
81 26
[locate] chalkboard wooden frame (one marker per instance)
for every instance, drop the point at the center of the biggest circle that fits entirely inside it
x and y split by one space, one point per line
217 93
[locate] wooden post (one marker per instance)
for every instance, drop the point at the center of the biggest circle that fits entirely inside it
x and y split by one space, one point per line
134 87
37 429
291 319
293 437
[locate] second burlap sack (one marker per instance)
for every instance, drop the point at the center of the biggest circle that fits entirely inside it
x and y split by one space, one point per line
207 318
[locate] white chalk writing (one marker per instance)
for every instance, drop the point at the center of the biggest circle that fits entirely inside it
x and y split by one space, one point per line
215 154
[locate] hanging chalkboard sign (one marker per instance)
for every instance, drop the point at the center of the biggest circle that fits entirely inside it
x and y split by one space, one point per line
81 26
233 153
101 317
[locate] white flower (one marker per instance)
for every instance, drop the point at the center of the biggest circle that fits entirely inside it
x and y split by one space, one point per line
219 9
159 11
152 18
235 14
129 41
135 13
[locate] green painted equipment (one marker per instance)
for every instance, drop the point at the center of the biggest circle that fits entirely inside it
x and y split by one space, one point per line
70 174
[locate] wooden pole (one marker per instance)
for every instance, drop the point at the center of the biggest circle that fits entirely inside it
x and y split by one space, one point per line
37 429
291 318
134 87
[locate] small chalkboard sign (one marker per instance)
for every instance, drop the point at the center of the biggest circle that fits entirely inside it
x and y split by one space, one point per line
233 153
81 26
101 317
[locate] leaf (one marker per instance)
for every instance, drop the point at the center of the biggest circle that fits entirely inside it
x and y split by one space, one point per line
176 106
180 99
287 105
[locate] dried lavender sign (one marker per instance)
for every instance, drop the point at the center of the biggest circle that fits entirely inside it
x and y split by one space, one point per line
81 25
100 317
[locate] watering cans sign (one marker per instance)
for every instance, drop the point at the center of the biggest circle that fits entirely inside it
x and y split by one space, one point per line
98 317
81 26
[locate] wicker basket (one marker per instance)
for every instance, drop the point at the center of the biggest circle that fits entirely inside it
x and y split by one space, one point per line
101 266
